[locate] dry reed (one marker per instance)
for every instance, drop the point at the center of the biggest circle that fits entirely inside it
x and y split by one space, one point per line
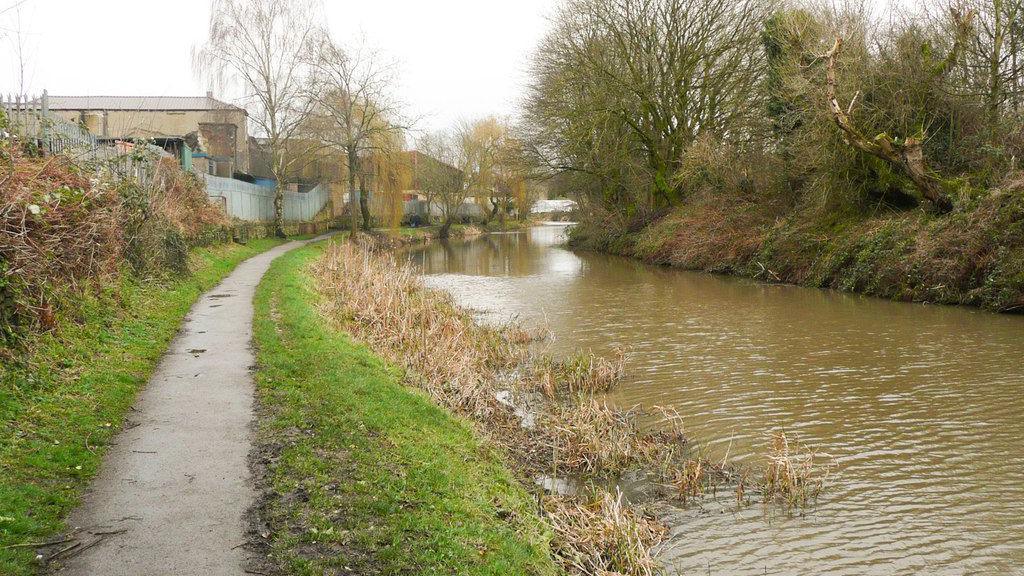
490 375
602 535
794 475
467 368
581 373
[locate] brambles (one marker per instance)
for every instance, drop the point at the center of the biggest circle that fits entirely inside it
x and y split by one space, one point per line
66 229
164 217
60 234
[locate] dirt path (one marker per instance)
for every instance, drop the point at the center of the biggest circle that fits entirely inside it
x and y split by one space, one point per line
174 488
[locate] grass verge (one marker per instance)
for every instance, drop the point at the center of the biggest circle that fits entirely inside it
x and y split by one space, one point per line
64 400
364 475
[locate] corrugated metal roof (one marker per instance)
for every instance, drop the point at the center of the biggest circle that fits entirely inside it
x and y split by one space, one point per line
137 103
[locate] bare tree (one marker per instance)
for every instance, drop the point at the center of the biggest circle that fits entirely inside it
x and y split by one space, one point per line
994 55
263 48
19 43
356 110
622 87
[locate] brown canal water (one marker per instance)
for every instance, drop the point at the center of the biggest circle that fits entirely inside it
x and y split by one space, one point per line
921 406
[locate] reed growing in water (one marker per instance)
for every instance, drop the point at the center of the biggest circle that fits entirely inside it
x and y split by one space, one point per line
794 475
469 368
546 415
601 534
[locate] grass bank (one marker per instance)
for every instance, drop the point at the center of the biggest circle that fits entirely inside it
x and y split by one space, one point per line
971 256
364 475
61 403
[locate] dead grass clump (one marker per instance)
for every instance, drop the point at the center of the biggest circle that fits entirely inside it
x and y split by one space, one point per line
591 437
693 478
59 232
689 480
581 373
794 475
602 535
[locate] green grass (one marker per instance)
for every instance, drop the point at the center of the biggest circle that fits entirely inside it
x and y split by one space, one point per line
368 476
60 406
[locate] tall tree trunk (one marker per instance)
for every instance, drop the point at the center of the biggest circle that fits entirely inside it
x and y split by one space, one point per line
353 216
445 230
364 203
995 78
279 210
488 216
278 172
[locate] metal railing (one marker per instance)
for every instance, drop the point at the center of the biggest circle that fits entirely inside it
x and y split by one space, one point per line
29 118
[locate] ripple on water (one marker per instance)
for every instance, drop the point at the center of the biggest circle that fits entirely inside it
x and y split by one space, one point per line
922 407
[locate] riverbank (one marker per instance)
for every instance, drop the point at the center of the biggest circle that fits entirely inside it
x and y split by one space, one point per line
548 420
973 256
407 234
363 475
67 396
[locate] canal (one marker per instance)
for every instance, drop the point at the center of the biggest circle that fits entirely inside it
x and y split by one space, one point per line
922 407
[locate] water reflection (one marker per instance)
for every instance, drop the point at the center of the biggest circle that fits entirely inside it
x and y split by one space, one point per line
920 405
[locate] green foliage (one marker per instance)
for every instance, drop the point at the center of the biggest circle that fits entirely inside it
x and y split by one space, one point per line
369 476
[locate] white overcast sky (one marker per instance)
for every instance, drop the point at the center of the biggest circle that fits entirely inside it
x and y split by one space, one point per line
458 58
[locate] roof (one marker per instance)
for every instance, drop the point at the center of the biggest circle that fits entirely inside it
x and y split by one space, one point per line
177 103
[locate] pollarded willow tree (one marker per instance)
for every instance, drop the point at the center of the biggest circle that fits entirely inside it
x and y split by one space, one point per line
481 141
262 48
622 87
356 111
514 181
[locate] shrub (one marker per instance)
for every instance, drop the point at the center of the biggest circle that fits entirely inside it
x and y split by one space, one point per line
66 229
164 217
60 233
